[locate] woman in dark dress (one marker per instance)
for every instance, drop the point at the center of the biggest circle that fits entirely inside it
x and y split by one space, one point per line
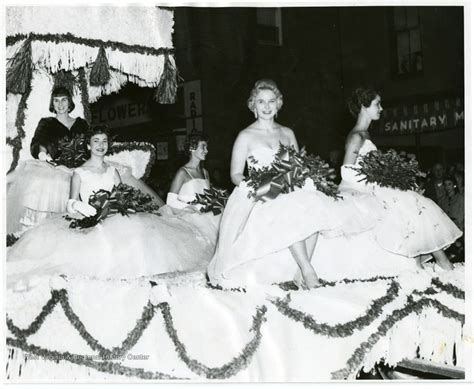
38 188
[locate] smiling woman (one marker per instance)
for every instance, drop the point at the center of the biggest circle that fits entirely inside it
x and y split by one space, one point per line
37 188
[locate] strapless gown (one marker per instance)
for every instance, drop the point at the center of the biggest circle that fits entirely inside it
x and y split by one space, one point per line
254 237
120 247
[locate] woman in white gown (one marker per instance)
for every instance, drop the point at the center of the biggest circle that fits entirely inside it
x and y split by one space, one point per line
410 225
141 244
265 243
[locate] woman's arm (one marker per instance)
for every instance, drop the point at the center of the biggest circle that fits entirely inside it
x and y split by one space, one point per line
353 145
172 198
239 159
74 204
178 181
117 178
38 144
75 186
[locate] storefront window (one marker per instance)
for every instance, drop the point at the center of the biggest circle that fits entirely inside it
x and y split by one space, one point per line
406 28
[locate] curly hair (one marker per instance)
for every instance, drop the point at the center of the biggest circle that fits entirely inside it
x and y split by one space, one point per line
192 141
361 97
264 84
61 91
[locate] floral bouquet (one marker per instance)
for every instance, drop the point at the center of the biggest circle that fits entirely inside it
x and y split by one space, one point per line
73 151
289 170
212 200
123 199
390 169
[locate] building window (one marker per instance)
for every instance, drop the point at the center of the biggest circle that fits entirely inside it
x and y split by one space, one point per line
269 26
406 32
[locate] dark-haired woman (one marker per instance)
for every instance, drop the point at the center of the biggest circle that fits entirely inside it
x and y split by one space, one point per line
37 188
141 244
192 178
410 225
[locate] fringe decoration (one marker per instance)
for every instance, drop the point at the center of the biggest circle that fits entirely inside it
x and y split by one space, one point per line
100 74
65 79
168 85
84 95
20 69
16 142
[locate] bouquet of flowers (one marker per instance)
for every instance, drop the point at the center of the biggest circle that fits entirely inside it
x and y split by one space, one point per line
123 199
212 200
390 169
73 151
289 170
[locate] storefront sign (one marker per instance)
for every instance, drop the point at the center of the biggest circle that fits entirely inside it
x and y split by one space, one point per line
120 113
193 106
436 115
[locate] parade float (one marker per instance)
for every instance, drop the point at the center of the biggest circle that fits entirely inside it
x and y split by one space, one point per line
175 326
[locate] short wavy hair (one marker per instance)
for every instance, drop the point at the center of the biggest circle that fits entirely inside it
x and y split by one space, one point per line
264 84
362 96
97 130
192 141
61 91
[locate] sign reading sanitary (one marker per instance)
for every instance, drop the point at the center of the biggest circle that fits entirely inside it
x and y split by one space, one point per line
437 115
123 112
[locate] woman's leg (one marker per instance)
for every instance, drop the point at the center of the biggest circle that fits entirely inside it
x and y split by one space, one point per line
442 260
300 254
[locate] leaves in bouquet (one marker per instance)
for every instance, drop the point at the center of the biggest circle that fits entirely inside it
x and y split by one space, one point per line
290 169
123 199
72 151
212 200
390 169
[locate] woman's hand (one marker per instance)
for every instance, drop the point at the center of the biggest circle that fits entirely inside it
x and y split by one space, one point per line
81 207
45 157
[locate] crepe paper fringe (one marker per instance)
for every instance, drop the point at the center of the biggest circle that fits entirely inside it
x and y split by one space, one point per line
84 95
229 369
356 360
66 80
100 73
15 361
16 142
62 38
339 330
168 85
20 69
133 146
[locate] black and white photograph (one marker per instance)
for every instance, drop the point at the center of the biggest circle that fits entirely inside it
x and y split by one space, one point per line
253 192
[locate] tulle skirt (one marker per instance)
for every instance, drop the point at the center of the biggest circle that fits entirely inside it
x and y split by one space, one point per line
409 224
255 237
119 247
36 190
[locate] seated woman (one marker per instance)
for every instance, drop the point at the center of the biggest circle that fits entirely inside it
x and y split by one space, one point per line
192 178
141 244
37 189
410 225
271 242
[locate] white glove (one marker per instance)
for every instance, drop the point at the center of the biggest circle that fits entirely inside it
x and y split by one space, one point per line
42 156
173 201
81 207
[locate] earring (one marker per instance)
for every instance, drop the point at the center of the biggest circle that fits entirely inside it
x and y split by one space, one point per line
255 113
276 114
